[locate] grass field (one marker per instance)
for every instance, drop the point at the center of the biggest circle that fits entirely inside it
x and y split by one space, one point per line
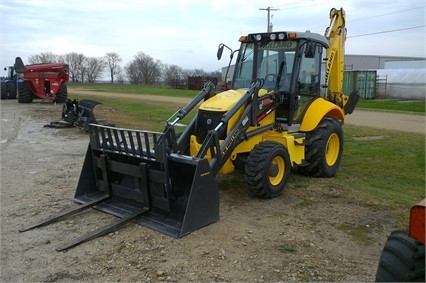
384 169
391 105
135 89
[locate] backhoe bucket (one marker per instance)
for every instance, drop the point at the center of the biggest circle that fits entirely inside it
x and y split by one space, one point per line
136 171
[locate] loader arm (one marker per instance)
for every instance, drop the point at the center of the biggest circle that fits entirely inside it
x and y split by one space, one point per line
169 138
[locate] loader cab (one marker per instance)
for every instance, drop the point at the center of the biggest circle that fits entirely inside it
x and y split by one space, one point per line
11 74
288 63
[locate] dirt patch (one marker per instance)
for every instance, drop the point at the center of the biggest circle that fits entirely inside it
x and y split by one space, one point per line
369 138
307 234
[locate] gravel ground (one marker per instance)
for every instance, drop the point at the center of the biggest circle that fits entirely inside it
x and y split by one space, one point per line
295 237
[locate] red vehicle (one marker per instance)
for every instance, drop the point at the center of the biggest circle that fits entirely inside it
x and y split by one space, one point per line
42 81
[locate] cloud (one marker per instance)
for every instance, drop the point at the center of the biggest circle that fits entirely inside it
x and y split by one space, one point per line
187 32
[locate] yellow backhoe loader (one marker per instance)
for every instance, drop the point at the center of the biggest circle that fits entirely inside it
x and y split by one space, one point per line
285 109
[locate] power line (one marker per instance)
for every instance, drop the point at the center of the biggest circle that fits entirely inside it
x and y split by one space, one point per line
298 6
386 31
354 20
269 9
391 13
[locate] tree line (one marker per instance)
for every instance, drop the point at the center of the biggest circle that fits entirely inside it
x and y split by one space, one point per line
143 69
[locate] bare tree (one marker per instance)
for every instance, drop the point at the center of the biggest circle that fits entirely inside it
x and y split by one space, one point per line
94 68
173 75
194 73
113 60
144 69
120 78
150 68
133 73
44 57
76 66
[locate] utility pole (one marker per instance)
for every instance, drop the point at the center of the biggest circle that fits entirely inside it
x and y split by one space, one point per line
269 9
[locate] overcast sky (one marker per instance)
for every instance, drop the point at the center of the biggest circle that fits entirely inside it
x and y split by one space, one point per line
187 32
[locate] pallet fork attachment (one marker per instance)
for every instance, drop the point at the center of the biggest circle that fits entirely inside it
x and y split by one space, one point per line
90 235
79 114
139 176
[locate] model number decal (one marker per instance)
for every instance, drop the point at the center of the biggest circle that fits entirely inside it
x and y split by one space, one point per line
231 141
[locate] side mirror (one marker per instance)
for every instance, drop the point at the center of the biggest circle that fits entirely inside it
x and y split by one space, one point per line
220 51
19 65
310 50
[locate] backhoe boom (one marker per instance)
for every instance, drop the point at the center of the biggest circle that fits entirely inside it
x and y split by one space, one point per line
336 34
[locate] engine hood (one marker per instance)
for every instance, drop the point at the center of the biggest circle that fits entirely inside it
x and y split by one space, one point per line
224 101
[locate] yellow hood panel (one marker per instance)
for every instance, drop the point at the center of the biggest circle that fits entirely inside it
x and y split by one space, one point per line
225 100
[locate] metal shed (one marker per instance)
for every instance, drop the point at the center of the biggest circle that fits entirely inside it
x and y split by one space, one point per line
363 81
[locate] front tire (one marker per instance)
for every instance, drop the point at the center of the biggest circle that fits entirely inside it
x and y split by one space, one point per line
25 95
12 91
267 169
324 148
402 259
62 95
4 91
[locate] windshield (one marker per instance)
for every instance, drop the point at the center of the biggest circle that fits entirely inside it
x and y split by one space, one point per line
10 72
274 64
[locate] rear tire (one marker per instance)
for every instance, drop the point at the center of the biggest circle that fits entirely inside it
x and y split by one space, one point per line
12 91
324 148
402 259
25 95
62 95
4 90
267 169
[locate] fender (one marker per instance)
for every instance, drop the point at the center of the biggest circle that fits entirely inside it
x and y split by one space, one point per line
417 222
317 110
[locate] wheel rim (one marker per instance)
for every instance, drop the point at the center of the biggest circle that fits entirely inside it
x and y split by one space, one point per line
333 149
276 170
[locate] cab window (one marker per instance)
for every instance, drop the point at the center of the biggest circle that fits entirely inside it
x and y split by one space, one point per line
309 73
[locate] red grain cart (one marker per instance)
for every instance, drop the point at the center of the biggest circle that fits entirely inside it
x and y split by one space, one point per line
42 81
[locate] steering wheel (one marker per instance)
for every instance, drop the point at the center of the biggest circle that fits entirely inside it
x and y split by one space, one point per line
270 75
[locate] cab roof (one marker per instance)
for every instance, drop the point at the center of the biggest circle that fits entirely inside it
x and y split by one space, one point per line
286 35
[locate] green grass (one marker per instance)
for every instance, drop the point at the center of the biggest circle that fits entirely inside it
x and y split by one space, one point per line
382 104
360 233
393 105
381 169
134 89
404 152
307 202
385 169
286 249
136 114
